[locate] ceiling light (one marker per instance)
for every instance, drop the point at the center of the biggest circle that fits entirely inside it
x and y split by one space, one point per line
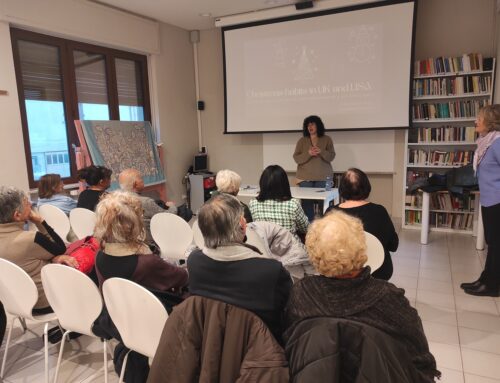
205 14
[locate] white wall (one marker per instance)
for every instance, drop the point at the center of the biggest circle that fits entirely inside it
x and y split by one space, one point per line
444 27
12 160
171 76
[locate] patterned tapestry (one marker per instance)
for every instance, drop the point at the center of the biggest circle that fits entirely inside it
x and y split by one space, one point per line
120 145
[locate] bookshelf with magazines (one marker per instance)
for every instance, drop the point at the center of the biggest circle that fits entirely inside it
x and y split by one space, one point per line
447 94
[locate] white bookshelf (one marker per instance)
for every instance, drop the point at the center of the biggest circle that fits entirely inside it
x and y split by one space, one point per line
413 215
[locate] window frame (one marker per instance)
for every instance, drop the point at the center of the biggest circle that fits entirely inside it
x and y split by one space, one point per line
68 79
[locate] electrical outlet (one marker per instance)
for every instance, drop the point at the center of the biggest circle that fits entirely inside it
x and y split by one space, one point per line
184 197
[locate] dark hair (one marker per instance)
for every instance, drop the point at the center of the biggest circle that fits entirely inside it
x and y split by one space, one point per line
47 185
93 174
354 185
319 125
274 184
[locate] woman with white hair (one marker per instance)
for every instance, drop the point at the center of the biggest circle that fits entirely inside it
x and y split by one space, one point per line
229 182
345 289
30 250
228 270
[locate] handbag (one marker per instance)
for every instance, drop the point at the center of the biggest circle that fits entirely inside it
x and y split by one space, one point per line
84 251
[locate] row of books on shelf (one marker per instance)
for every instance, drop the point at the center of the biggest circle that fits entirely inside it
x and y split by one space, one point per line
451 109
441 220
452 86
442 201
439 157
444 133
442 65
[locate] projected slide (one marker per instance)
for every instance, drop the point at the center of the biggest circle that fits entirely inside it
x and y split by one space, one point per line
350 68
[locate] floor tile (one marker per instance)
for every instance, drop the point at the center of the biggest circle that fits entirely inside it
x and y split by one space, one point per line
446 355
479 340
484 305
404 271
469 378
441 333
481 363
437 314
436 286
404 282
435 275
435 299
479 321
450 376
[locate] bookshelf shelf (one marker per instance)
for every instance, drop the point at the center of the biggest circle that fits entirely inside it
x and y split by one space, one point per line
455 74
443 143
465 95
442 120
442 137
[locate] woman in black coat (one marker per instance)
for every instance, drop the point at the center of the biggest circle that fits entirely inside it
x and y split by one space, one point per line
355 189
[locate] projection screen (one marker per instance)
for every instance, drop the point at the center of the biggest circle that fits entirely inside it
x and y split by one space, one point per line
350 66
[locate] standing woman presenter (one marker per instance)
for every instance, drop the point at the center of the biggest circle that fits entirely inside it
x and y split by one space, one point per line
313 154
487 166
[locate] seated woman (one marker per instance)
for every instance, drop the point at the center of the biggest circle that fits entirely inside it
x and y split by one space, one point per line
275 203
51 192
120 230
30 250
229 270
98 179
354 189
345 289
229 182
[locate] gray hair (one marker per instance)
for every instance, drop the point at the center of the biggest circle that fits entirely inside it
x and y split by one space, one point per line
228 181
11 200
219 221
127 178
491 115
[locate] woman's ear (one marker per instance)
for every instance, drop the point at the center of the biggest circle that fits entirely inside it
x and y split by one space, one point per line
17 217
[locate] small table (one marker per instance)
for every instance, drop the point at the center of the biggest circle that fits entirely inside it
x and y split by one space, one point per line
318 194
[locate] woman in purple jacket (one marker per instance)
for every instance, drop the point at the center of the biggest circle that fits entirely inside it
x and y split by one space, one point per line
487 167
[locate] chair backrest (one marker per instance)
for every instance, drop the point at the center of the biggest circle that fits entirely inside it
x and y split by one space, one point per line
82 222
375 252
172 234
137 314
57 219
73 296
18 292
197 235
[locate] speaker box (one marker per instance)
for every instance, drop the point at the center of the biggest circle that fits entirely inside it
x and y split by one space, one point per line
303 5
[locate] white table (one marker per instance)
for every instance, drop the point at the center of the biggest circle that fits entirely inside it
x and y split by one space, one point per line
318 194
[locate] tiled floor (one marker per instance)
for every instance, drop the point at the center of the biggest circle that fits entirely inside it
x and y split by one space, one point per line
463 331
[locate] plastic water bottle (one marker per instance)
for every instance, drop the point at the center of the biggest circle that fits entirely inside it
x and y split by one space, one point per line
328 183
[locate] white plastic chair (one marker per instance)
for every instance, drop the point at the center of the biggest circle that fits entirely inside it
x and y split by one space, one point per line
82 222
57 219
138 315
19 294
172 234
197 235
375 252
77 302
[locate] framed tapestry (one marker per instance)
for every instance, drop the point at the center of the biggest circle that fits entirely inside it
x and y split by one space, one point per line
120 145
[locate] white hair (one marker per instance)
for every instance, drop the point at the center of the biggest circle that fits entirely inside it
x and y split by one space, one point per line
228 181
127 178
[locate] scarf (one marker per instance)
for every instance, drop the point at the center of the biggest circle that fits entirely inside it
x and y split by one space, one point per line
483 143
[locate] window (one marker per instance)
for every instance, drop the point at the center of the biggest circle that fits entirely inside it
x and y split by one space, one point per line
60 81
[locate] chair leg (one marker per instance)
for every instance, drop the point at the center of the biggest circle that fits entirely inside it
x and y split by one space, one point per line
105 361
124 365
7 347
23 324
61 350
46 350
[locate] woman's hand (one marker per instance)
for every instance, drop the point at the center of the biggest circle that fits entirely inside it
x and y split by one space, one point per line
314 151
65 260
35 217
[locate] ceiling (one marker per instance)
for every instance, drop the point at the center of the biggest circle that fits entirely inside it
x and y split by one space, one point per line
186 13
